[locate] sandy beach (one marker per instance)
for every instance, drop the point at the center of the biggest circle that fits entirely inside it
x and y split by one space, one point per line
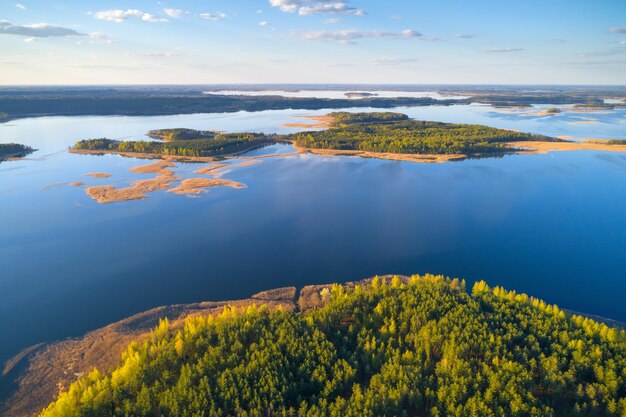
587 145
192 186
318 122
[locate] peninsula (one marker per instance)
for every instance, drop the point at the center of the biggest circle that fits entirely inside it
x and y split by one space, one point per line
14 151
381 346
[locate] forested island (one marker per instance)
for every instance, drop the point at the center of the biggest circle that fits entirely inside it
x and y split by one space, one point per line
14 150
172 135
395 133
392 346
385 135
199 144
377 132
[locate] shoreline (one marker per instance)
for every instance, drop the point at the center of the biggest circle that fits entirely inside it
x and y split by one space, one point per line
534 147
421 158
516 147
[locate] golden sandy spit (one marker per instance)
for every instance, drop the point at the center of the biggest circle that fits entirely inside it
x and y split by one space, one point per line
321 122
99 175
192 186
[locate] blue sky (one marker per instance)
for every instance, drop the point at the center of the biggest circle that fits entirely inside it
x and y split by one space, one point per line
298 41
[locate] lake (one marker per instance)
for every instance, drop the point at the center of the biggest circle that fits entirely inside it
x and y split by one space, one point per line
550 225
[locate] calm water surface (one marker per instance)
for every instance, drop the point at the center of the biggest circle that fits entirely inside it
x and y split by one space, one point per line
550 225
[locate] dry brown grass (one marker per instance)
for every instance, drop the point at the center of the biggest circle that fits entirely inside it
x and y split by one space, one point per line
192 186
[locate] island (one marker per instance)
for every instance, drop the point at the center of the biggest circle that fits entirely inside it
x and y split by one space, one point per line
180 142
176 134
14 151
384 135
384 346
394 133
356 94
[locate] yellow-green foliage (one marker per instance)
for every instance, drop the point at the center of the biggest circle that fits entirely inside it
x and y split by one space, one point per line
393 132
390 348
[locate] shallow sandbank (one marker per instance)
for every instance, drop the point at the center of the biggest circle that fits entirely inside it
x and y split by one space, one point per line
164 181
424 158
99 175
109 193
319 122
587 145
192 186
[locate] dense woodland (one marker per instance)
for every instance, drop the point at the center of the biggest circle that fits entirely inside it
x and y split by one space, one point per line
133 104
220 144
11 150
372 131
343 118
387 132
170 135
386 348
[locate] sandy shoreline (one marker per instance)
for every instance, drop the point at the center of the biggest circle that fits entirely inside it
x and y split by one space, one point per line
319 122
534 147
423 158
192 186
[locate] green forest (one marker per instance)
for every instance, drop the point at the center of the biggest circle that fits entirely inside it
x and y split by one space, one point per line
371 131
343 118
13 150
388 347
219 144
170 135
389 132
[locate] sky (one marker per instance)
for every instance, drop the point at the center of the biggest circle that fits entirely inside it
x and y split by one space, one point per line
319 41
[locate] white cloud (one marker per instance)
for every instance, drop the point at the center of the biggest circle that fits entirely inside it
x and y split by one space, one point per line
331 21
308 7
119 16
618 30
20 6
501 50
175 13
622 43
31 39
331 8
286 5
36 30
212 16
465 36
350 35
265 23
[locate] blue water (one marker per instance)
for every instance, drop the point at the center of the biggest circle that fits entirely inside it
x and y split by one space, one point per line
549 225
